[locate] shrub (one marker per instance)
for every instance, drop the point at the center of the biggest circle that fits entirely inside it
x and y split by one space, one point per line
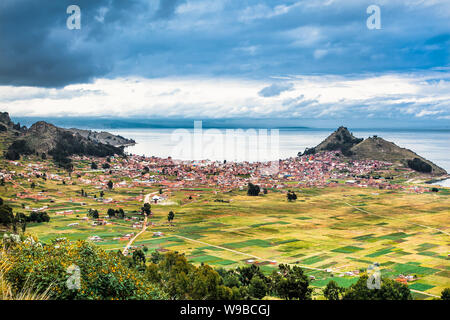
104 275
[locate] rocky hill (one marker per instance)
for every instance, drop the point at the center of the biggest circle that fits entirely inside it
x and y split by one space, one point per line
341 139
374 148
104 137
47 139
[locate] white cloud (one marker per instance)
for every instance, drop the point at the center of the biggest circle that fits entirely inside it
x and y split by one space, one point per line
410 95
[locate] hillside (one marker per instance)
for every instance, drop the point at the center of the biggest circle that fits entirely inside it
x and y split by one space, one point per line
104 137
47 139
374 148
341 139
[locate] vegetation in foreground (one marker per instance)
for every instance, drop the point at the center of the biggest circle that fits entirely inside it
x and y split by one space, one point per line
31 270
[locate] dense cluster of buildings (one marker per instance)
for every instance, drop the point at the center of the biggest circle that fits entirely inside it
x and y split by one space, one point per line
320 170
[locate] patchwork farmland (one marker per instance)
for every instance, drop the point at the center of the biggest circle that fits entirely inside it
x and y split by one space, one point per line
333 233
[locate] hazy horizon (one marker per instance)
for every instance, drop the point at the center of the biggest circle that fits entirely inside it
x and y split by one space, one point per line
173 123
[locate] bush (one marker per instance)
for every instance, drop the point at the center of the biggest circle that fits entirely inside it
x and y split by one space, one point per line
104 275
389 290
445 294
253 190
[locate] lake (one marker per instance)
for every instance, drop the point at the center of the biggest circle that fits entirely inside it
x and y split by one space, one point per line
215 145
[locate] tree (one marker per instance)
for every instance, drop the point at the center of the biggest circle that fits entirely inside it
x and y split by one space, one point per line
106 166
170 217
445 294
6 214
265 190
206 283
93 214
332 291
291 283
291 196
156 257
111 212
139 257
33 185
257 288
230 278
253 190
246 274
94 166
146 209
45 217
110 185
389 290
120 213
102 194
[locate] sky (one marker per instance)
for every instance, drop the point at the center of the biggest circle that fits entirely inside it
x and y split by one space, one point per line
313 59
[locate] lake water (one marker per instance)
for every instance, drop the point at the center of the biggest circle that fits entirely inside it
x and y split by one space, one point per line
215 145
443 183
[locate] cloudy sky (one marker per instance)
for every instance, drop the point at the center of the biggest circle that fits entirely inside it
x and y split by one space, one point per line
311 59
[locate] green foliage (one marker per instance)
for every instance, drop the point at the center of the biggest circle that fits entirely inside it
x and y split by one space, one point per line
111 212
307 151
38 217
156 257
6 214
258 288
18 148
291 196
93 214
445 294
139 257
103 275
333 291
419 165
8 219
246 274
118 213
291 283
389 290
146 209
253 190
182 280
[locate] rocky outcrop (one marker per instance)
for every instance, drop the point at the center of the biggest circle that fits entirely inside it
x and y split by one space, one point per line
374 148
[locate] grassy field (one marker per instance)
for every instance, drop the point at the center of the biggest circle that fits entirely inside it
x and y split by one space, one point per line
341 228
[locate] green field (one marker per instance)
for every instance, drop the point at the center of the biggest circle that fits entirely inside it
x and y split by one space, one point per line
322 230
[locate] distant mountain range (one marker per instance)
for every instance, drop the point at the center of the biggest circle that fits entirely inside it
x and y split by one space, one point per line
45 138
374 148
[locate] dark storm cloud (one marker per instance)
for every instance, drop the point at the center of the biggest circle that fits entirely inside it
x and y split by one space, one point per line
37 49
253 38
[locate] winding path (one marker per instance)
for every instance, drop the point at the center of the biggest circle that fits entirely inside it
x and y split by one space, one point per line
144 226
